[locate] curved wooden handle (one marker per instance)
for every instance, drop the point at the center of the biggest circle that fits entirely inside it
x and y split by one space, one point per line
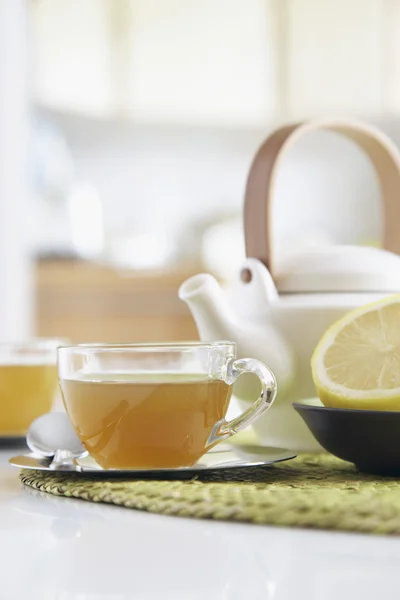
261 181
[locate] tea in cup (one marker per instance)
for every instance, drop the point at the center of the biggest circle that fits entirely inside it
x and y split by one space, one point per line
155 405
28 383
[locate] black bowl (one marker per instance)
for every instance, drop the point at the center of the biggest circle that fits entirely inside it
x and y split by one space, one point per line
368 438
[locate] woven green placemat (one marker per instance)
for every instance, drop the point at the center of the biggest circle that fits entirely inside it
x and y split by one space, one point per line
317 491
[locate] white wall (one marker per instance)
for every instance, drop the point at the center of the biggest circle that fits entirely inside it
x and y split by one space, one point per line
16 299
151 177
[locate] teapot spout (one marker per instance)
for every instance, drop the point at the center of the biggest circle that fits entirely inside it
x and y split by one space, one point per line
255 336
209 307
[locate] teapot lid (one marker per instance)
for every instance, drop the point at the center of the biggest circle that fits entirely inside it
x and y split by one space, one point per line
340 268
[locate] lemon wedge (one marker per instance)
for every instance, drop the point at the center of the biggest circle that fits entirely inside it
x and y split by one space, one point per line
356 364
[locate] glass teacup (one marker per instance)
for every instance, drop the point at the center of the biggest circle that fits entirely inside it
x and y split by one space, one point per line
28 383
155 405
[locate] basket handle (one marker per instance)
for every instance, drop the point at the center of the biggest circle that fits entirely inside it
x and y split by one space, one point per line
262 180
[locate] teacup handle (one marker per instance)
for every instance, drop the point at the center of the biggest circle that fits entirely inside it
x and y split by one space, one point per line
234 369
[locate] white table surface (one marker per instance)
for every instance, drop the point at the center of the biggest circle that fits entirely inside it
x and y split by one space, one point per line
57 548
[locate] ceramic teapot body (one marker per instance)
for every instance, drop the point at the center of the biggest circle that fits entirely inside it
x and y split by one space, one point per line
282 333
279 314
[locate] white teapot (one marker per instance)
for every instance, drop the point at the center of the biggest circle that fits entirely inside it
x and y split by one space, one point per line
278 316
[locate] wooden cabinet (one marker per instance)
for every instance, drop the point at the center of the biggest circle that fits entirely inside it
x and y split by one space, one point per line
154 61
217 62
71 55
202 62
334 56
89 303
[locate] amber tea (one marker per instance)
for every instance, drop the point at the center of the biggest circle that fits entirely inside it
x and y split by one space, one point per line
125 421
26 392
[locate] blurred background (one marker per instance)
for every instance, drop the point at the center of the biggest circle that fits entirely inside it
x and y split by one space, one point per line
127 128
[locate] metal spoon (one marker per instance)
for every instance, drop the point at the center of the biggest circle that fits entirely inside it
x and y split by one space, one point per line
53 436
